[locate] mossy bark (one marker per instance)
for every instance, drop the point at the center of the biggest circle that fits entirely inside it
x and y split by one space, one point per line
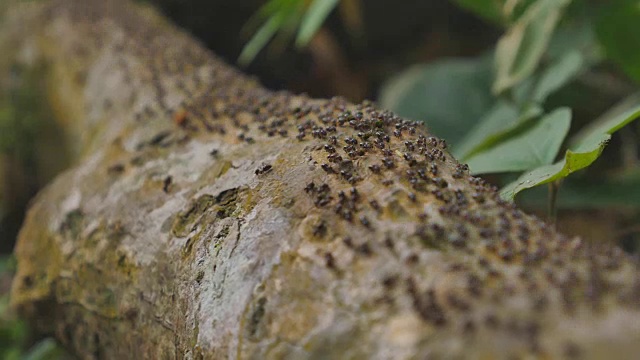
207 217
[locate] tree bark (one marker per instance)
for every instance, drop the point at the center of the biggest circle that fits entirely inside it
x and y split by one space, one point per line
207 217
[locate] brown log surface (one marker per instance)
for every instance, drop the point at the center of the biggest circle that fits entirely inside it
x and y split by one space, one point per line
207 217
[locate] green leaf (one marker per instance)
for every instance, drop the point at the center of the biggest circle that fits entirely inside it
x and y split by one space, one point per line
575 33
278 16
572 162
536 147
537 88
613 120
514 9
558 75
7 263
499 12
498 124
490 10
585 149
260 39
520 49
288 28
269 9
616 29
313 19
448 95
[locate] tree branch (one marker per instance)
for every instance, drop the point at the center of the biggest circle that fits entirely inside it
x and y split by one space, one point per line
207 217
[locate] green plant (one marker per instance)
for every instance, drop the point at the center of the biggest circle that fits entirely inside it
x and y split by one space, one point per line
503 97
283 18
546 46
14 333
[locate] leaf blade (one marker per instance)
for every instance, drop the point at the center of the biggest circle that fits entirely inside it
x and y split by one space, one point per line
557 75
260 39
536 147
313 18
501 121
585 149
519 51
617 33
448 95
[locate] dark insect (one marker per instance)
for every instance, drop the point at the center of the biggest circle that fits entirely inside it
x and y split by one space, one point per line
388 162
310 187
327 168
334 158
264 169
354 194
375 168
330 261
364 249
433 168
115 169
348 242
166 185
320 229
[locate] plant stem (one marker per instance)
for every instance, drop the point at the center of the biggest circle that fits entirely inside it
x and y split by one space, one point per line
552 210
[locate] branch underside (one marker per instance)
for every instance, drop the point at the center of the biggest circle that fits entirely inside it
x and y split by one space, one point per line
207 217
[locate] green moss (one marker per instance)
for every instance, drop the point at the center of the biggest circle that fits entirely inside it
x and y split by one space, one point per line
256 317
224 205
185 220
72 224
188 247
226 201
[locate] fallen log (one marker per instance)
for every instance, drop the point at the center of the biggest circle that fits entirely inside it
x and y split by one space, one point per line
207 217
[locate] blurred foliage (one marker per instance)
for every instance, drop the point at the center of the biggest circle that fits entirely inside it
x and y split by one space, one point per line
282 19
547 46
21 118
15 339
584 150
511 112
616 30
501 12
520 49
453 91
541 143
18 116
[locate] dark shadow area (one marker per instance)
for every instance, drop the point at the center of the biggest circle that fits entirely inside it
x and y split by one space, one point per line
340 60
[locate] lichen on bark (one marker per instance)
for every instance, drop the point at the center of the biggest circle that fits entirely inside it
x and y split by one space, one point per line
208 217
